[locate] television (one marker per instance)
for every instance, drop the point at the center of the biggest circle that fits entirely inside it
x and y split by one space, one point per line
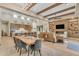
60 26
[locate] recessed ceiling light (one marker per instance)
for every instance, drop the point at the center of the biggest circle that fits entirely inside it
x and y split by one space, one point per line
28 18
22 17
15 16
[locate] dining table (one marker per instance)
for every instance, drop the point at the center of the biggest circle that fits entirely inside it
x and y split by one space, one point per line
28 40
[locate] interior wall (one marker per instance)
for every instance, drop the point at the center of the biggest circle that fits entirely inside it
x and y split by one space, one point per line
71 26
0 31
46 27
52 25
5 27
0 24
77 9
44 24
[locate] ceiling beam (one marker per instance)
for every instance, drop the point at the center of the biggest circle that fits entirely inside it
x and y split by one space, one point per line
27 4
63 15
48 8
60 11
32 5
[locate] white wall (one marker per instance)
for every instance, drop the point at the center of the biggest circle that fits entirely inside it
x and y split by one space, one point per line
4 27
77 9
45 25
0 28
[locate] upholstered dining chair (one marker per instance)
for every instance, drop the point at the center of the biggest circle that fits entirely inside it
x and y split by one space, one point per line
36 47
15 40
21 45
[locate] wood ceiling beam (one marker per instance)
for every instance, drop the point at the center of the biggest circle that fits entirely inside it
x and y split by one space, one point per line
60 11
48 8
63 15
32 5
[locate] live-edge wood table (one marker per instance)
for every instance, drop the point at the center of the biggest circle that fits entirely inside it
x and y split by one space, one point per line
26 40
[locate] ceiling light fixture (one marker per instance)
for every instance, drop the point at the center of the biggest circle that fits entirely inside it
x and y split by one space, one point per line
28 18
15 16
22 17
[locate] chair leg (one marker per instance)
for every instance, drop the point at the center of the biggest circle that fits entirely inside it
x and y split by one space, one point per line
17 49
15 46
25 49
20 52
28 50
34 52
40 52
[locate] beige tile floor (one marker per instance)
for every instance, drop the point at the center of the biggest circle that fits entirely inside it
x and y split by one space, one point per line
48 49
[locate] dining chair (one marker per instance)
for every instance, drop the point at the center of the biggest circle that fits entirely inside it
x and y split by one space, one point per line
15 43
15 40
21 45
36 47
